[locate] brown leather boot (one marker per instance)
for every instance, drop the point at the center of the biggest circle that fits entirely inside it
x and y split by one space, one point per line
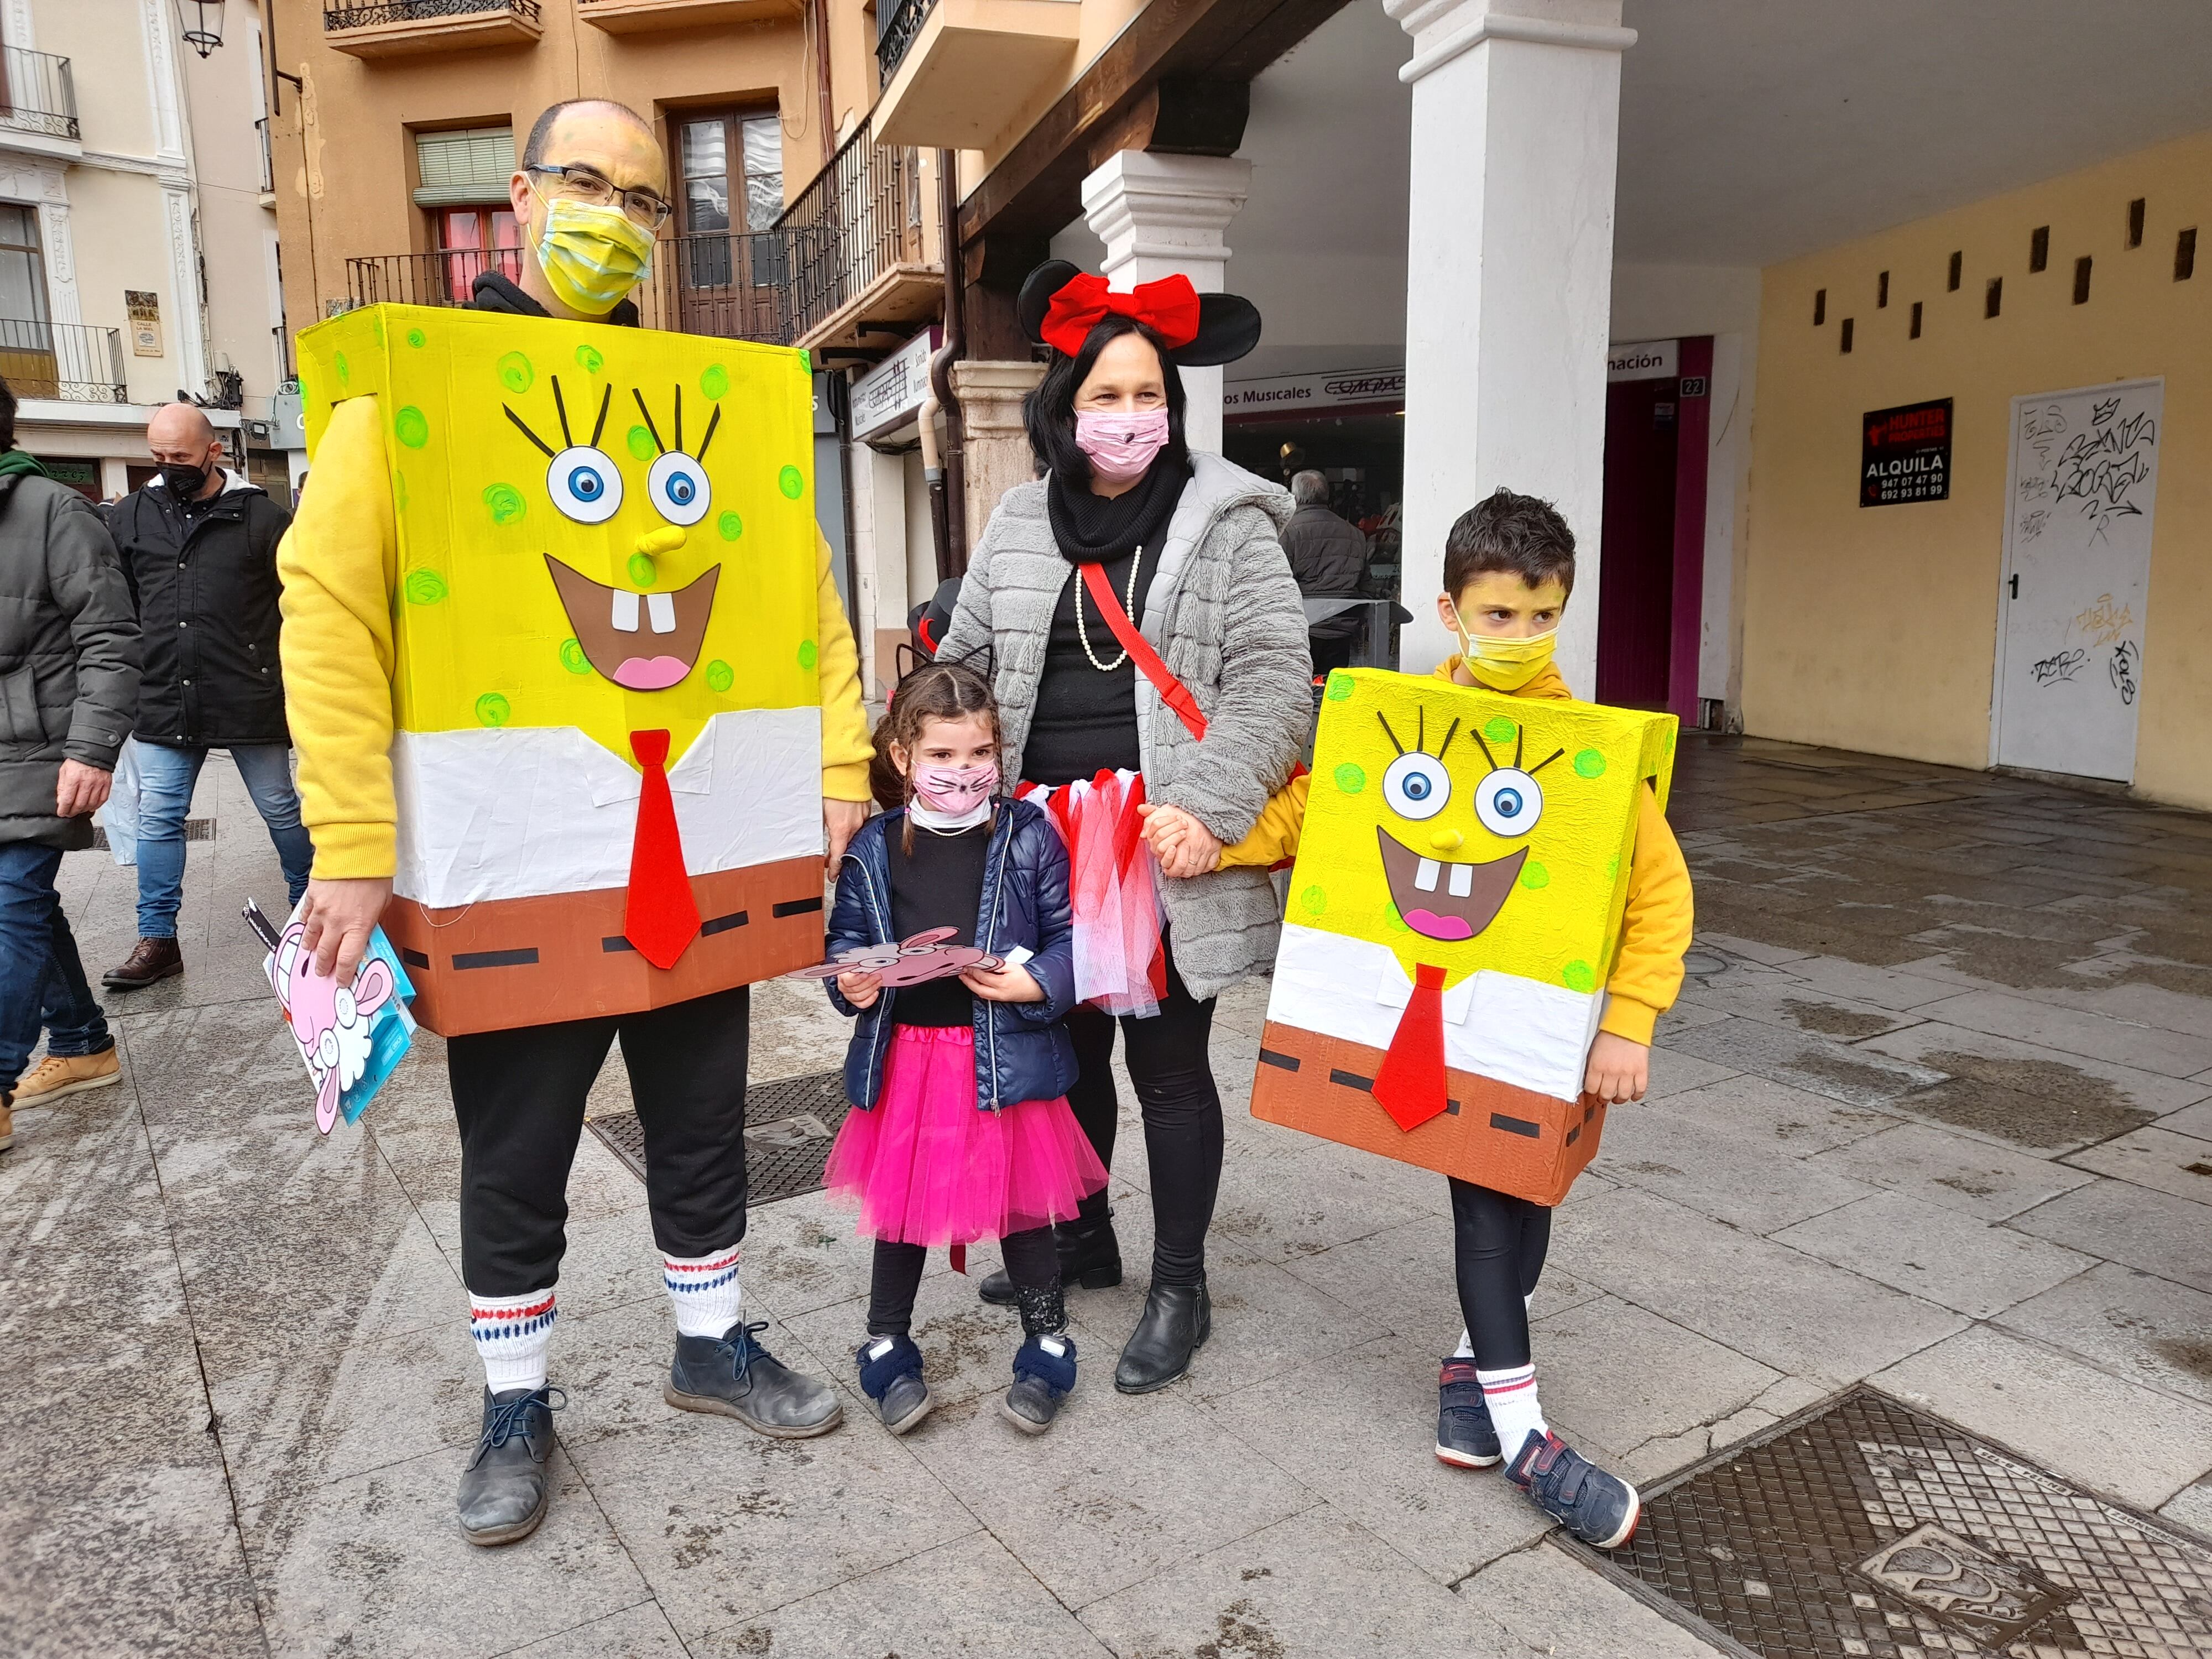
153 961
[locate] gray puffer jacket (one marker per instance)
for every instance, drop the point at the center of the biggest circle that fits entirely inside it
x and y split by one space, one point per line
1223 614
69 653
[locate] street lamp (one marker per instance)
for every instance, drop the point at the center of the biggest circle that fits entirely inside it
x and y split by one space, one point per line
207 36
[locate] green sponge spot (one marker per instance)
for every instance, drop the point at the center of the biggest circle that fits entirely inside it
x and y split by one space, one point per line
1535 875
1351 779
1314 899
424 587
641 446
731 525
792 482
411 427
515 373
1590 764
588 359
1612 868
493 709
1497 729
505 502
715 382
719 676
344 368
1339 685
808 655
573 658
1577 976
642 570
416 338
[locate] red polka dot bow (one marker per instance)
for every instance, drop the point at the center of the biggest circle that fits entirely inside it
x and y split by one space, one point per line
1169 307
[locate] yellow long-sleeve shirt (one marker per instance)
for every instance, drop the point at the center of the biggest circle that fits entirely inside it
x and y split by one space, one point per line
339 564
1654 927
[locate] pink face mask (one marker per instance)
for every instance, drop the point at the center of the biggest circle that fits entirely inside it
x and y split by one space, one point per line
1121 446
953 797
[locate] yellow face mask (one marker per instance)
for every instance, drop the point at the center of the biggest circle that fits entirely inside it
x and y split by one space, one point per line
1505 664
592 254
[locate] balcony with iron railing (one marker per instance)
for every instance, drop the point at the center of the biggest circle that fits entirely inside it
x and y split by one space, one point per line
642 16
37 96
394 28
961 74
65 361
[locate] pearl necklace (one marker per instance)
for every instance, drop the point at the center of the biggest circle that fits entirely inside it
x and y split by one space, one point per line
1128 606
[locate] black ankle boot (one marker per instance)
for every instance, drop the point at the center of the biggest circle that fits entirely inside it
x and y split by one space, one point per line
1044 1370
1090 1259
1177 1319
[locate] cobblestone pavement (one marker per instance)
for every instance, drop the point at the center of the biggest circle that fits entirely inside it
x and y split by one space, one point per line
1936 1111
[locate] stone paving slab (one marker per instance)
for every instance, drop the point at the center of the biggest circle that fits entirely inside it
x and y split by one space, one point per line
1936 1253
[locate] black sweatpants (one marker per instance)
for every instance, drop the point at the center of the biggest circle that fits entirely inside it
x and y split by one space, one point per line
519 1097
1031 1263
1498 1243
1167 1061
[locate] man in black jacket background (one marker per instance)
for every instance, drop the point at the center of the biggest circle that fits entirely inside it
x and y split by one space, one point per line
199 547
69 681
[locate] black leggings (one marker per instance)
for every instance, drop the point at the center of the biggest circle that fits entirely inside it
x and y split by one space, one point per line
1031 1263
1499 1243
1167 1061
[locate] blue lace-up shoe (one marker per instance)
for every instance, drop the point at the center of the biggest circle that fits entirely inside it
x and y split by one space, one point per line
1465 1436
733 1375
505 1491
1598 1508
890 1374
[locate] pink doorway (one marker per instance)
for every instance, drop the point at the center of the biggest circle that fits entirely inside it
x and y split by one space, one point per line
1652 561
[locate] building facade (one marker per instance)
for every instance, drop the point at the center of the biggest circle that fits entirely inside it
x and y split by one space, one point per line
137 238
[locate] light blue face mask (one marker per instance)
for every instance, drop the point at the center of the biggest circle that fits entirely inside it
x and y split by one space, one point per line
592 254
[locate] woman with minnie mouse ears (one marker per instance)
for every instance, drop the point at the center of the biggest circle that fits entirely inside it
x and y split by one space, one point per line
1150 658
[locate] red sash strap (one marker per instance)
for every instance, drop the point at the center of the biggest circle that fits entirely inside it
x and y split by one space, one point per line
1173 692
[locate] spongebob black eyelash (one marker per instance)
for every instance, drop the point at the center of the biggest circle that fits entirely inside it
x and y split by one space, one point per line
649 425
713 420
523 427
1546 762
1421 734
606 400
1388 733
561 408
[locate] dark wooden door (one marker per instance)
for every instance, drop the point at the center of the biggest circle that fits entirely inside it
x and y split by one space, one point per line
1635 563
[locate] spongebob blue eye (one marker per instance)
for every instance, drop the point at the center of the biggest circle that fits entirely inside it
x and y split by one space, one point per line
678 488
1417 786
1508 802
584 485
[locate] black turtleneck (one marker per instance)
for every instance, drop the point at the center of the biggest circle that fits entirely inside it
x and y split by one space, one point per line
1086 720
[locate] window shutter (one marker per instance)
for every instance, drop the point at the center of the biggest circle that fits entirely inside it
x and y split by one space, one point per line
466 168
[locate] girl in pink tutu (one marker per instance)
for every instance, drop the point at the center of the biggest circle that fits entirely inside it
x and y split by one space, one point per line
961 1128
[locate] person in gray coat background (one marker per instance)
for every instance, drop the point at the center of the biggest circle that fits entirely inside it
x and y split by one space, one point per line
1328 558
69 690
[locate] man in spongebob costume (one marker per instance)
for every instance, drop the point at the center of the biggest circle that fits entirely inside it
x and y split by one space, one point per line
577 709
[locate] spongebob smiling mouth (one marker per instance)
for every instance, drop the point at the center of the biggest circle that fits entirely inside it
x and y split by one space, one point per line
606 621
1472 894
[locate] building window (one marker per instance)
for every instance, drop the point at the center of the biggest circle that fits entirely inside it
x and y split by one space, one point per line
1820 307
472 240
2039 248
1958 266
730 157
22 267
464 187
1916 320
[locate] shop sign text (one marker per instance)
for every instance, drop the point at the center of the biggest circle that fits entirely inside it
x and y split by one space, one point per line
1904 454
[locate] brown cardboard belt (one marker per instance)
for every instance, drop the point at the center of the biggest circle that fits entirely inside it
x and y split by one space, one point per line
505 962
1512 1140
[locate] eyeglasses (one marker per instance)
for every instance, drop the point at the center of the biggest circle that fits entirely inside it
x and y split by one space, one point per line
583 183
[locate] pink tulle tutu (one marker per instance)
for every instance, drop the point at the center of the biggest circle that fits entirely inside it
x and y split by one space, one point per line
1113 890
928 1167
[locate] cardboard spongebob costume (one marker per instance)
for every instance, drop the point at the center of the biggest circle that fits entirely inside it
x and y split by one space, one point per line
1464 863
606 749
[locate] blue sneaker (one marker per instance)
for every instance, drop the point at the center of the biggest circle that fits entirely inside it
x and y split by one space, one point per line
1600 1509
890 1374
1465 1436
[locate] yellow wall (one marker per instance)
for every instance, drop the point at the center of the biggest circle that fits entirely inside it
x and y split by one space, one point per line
1876 629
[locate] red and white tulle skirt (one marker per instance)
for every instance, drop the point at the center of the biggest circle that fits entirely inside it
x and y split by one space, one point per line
1113 887
928 1167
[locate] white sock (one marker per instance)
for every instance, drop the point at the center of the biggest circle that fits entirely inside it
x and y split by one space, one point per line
512 1334
1466 1349
1511 1397
703 1288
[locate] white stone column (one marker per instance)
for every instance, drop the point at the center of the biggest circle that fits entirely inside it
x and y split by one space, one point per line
995 445
1160 215
1516 122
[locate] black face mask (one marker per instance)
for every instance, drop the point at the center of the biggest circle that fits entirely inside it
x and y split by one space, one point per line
186 482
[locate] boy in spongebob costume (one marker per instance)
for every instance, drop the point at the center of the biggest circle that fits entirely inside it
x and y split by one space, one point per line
575 702
1487 916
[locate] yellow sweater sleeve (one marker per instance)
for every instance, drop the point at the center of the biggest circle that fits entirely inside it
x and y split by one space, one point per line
1274 834
846 745
338 564
1655 929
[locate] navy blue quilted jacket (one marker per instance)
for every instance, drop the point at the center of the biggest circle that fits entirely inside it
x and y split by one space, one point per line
1022 1049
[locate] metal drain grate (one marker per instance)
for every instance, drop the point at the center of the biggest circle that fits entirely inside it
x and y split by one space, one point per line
1865 1527
195 829
789 1127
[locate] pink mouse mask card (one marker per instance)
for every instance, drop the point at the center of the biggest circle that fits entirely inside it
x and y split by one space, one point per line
915 961
350 1038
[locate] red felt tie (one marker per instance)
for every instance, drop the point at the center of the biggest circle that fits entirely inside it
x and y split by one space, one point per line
1410 1085
662 918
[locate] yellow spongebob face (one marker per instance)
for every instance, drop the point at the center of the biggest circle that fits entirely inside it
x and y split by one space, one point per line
599 527
1469 830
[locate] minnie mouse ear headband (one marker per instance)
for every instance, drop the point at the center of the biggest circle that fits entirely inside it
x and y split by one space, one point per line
1061 304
